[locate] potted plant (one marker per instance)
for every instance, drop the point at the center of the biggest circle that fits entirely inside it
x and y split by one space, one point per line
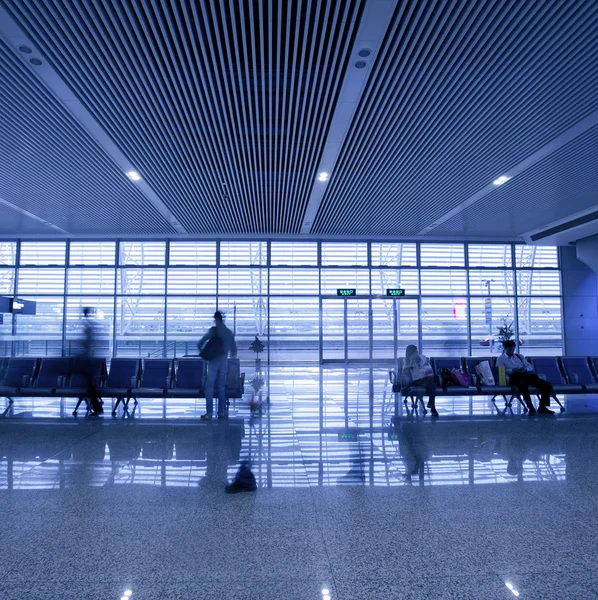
257 346
505 331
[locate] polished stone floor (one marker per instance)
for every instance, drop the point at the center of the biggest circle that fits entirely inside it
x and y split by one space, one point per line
477 504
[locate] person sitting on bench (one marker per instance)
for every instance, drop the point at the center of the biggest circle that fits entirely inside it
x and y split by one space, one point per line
418 366
522 375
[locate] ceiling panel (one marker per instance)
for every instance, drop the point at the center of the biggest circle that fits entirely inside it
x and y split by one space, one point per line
223 106
461 92
571 173
226 108
50 167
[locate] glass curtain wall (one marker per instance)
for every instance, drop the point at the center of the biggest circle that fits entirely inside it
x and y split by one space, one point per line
156 298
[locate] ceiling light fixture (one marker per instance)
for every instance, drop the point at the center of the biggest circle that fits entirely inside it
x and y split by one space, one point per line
500 180
133 175
323 176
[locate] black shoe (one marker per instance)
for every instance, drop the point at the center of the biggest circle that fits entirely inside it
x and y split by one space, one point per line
434 412
544 410
206 417
532 411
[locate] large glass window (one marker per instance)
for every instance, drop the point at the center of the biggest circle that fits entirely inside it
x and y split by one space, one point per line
43 253
540 326
8 253
142 253
384 279
294 254
442 255
192 253
294 281
192 281
243 253
444 326
155 297
354 255
334 279
92 253
490 255
140 326
188 318
394 255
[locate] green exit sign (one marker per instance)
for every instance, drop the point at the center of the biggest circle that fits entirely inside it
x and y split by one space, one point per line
346 292
348 436
393 436
395 292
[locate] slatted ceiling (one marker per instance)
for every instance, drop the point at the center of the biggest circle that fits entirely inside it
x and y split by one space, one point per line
460 92
51 168
223 106
544 193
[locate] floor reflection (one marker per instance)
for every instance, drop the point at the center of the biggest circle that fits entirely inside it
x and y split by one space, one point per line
50 454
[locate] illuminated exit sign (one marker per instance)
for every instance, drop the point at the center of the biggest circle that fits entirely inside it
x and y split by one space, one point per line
395 292
346 292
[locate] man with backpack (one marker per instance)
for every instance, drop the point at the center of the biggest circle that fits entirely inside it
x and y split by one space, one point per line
219 341
522 375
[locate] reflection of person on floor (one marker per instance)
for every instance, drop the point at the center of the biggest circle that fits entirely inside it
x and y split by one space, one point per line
419 368
414 449
522 375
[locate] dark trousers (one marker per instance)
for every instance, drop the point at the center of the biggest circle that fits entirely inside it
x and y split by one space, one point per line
84 370
523 380
429 384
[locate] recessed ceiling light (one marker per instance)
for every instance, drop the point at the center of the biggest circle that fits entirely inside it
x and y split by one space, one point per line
500 180
35 61
361 64
25 49
133 175
323 176
364 52
128 593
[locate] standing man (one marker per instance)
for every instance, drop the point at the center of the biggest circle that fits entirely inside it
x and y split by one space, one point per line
522 375
222 341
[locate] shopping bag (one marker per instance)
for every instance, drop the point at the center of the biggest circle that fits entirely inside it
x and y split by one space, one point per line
460 377
485 372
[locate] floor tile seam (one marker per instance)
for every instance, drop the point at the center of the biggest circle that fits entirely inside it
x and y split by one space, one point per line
320 529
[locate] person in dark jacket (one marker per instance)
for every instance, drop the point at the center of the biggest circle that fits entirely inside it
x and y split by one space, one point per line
218 366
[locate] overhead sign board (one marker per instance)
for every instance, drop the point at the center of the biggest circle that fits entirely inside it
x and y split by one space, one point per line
394 292
346 292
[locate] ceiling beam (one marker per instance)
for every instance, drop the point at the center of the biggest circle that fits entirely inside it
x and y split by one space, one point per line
376 18
557 143
30 215
34 60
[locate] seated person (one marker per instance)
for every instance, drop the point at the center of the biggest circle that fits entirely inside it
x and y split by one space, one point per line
418 366
522 375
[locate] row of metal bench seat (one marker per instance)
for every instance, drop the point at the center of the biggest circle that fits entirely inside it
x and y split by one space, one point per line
567 374
128 378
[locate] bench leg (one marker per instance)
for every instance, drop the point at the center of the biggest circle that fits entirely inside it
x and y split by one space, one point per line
118 401
523 405
554 396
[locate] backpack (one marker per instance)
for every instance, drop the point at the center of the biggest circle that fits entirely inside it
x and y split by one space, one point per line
446 379
214 348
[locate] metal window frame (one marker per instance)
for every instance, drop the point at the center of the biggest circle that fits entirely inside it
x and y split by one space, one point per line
370 266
